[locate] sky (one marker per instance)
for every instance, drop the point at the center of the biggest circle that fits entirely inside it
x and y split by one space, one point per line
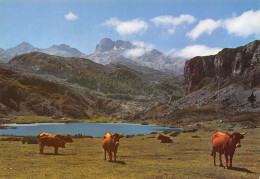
180 28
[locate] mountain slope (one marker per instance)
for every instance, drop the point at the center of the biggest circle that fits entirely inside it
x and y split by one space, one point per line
30 95
132 90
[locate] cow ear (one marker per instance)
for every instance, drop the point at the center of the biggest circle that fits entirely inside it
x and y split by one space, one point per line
228 134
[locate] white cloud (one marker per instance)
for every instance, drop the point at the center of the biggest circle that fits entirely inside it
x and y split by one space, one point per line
171 52
196 50
244 25
140 49
204 26
127 27
70 16
144 45
170 22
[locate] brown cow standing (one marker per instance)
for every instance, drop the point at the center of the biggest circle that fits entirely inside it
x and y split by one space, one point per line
164 139
53 140
110 144
225 144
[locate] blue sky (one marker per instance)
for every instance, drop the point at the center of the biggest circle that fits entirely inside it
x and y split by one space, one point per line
177 27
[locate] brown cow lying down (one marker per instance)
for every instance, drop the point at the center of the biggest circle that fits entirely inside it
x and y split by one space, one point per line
225 144
164 139
53 140
111 143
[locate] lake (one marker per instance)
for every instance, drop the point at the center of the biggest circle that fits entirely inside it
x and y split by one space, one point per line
93 129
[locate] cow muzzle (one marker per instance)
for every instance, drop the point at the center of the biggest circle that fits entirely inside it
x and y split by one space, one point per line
238 145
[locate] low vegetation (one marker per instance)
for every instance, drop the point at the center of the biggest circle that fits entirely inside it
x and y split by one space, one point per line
125 85
140 156
43 119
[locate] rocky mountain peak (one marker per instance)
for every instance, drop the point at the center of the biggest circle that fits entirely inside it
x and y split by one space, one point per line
66 48
24 46
105 44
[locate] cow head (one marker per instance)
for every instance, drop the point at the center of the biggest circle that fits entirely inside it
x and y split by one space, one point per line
116 137
159 136
68 138
236 137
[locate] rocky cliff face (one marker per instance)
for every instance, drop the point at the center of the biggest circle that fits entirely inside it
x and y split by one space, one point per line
217 88
239 64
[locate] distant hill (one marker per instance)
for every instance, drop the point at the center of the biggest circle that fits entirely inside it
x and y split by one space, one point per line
64 51
23 48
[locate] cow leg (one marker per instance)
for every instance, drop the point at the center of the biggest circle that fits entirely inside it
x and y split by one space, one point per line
115 156
41 148
56 150
220 160
226 156
214 157
230 166
105 154
110 155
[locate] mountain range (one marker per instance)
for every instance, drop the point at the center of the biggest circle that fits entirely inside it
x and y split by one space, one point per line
217 86
107 51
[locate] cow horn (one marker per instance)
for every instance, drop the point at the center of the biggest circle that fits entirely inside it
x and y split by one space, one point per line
121 133
243 133
228 134
109 133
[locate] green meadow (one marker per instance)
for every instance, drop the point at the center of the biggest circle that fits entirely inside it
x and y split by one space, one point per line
140 156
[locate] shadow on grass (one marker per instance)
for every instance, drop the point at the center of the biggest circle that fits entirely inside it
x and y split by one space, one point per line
119 162
56 154
242 170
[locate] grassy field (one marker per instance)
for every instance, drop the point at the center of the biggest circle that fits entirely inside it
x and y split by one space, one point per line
138 157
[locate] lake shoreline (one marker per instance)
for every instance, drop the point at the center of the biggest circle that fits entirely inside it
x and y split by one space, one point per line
90 128
102 119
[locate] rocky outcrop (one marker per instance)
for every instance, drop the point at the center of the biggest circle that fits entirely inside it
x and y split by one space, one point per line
239 64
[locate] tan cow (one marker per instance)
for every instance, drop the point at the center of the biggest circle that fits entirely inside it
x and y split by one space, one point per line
53 140
164 139
225 144
110 144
